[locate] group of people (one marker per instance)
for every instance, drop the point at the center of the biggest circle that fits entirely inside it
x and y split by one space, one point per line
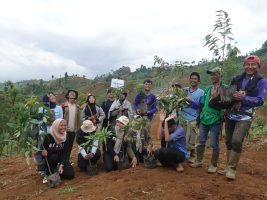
130 146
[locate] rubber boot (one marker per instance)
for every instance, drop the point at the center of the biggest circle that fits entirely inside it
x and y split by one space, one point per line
200 155
223 171
232 164
213 163
192 157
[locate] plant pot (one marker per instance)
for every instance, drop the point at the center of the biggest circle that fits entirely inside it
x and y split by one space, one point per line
92 169
150 162
123 163
53 180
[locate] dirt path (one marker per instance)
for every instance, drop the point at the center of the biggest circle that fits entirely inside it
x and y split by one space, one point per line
18 181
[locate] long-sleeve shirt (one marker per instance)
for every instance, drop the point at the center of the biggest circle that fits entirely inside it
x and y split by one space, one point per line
52 148
144 136
250 101
100 115
126 105
150 102
125 147
80 139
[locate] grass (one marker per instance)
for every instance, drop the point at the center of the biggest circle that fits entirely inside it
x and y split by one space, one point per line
67 190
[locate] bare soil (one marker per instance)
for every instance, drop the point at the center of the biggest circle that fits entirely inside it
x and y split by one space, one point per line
19 181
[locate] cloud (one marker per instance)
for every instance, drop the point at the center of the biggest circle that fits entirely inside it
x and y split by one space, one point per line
30 62
40 38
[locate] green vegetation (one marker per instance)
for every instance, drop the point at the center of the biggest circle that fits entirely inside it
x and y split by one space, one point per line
67 190
19 101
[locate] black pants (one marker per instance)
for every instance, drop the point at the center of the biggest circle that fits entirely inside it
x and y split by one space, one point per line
53 161
71 138
109 163
169 157
140 156
82 163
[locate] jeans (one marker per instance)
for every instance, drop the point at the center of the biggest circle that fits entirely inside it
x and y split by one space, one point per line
235 132
215 130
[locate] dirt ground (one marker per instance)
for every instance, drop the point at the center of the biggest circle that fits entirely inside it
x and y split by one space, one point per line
19 181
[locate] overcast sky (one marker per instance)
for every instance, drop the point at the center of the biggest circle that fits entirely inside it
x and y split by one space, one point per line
41 38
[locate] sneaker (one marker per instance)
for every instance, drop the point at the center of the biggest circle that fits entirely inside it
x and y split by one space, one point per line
45 180
159 164
179 168
222 172
212 169
196 164
191 159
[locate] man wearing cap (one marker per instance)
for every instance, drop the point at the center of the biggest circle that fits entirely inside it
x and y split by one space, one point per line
87 153
145 103
72 115
190 113
210 121
118 147
251 93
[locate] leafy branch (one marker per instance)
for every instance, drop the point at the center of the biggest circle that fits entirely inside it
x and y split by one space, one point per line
100 135
220 41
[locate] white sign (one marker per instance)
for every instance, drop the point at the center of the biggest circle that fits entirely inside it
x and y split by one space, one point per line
117 83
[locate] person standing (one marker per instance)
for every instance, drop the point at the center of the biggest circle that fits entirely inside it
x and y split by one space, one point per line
93 112
120 107
145 103
210 121
252 89
106 106
190 113
72 116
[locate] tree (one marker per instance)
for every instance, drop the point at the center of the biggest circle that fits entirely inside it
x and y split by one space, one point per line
220 41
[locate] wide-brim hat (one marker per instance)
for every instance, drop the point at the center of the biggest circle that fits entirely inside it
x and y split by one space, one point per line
88 126
123 119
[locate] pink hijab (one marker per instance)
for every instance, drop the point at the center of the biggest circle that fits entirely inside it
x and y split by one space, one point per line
59 138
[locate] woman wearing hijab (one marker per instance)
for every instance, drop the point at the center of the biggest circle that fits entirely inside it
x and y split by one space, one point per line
55 149
141 139
118 146
93 112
